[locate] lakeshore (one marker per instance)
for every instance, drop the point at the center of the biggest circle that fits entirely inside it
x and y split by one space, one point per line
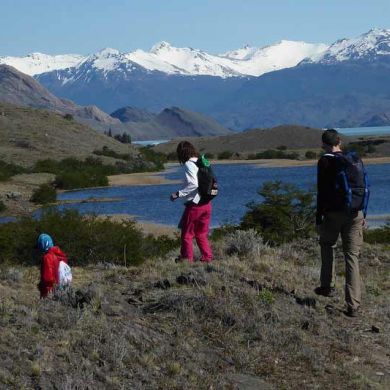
91 200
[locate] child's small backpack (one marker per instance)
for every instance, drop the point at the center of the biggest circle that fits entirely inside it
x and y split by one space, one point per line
207 181
352 181
64 274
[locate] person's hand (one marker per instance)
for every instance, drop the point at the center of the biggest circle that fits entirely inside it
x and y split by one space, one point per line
174 196
364 223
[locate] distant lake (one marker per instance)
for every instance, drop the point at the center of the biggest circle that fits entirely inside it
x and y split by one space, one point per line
238 183
362 131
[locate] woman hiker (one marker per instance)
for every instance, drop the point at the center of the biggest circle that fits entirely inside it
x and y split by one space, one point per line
196 217
54 267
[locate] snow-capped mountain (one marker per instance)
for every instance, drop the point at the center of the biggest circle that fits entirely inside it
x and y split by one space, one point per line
285 54
37 63
371 46
106 61
163 57
248 61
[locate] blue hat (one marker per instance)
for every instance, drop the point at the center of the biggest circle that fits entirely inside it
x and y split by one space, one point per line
45 242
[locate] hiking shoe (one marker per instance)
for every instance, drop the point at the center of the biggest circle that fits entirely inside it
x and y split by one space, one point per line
351 312
325 291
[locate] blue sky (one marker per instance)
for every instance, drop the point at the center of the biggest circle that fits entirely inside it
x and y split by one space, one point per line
85 26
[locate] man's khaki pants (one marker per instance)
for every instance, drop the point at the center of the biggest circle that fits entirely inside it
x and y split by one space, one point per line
350 226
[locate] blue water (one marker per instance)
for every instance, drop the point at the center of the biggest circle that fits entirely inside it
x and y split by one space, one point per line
360 131
238 184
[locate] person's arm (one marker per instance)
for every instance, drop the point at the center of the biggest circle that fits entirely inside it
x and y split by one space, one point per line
191 178
321 183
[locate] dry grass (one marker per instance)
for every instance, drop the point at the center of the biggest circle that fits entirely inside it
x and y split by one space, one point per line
28 135
248 320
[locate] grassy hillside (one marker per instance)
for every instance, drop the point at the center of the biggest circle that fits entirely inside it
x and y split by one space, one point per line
286 139
251 141
28 135
247 321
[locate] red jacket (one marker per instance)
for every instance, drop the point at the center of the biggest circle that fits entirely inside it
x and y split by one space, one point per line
49 269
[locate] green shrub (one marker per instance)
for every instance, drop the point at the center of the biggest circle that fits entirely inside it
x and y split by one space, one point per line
124 138
266 296
8 170
3 207
225 155
73 180
287 213
282 147
271 153
68 117
310 155
379 235
44 194
72 173
209 156
151 155
172 156
86 240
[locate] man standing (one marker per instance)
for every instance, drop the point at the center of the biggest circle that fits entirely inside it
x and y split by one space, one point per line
342 194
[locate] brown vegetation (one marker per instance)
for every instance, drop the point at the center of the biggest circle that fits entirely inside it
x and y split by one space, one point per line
248 319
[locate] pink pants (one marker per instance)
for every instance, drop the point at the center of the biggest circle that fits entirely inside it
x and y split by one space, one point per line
195 223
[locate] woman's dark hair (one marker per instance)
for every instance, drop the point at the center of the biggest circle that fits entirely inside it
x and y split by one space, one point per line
185 150
331 137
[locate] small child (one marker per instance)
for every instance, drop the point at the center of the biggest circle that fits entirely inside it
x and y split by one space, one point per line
53 266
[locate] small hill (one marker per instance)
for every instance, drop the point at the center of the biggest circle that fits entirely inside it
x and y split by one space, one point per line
28 135
251 141
133 114
377 120
171 123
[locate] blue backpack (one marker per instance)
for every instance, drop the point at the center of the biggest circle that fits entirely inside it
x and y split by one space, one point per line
352 181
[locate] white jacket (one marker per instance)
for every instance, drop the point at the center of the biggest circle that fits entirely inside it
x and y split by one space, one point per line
190 192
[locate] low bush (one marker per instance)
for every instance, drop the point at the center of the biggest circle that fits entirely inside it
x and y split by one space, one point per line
172 156
8 170
271 153
243 243
310 155
3 207
364 146
68 117
72 173
44 194
287 213
151 155
149 159
86 240
225 155
72 180
379 235
124 138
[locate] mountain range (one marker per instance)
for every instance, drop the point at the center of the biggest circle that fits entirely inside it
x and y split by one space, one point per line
342 84
22 90
163 57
